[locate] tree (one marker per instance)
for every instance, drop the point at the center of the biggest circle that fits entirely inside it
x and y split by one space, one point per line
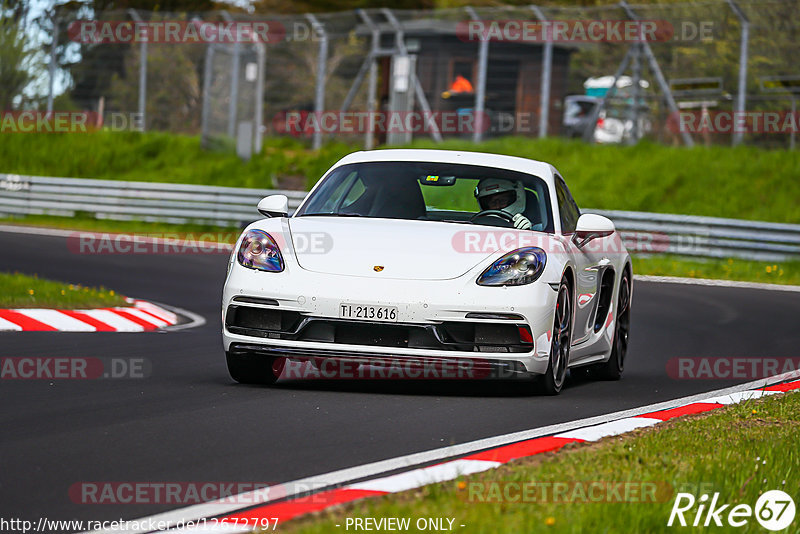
173 87
18 58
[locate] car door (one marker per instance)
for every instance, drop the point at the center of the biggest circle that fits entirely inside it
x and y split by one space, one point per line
588 262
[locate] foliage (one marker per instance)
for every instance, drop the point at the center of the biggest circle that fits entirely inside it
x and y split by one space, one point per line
19 61
22 291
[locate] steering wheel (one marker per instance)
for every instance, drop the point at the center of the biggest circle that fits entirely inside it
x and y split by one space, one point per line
493 213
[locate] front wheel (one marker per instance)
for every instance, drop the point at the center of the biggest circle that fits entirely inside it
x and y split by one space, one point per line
248 368
553 379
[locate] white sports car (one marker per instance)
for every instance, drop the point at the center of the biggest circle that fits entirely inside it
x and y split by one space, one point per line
430 258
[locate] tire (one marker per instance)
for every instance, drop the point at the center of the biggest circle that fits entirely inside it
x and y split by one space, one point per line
553 380
247 368
613 368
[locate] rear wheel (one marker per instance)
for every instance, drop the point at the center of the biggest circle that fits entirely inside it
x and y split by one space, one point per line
248 368
553 380
612 369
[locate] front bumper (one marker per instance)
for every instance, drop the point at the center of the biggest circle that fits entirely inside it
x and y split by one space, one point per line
427 309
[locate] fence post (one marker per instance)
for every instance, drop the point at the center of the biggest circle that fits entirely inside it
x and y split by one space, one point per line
207 73
420 94
319 93
656 70
743 54
52 66
259 111
232 104
633 110
547 73
142 73
369 135
480 87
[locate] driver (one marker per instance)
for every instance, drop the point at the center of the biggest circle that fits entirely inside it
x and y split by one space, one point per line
506 195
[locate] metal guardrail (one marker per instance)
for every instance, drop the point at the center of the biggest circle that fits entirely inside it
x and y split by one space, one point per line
708 237
148 201
686 235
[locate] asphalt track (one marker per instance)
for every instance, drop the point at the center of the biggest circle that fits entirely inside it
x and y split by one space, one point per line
188 422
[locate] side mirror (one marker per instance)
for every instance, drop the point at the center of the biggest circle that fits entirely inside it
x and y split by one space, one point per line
591 226
274 206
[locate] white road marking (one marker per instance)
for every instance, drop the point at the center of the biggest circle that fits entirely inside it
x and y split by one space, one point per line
8 325
426 475
113 320
57 320
739 396
713 282
195 319
155 321
158 311
613 428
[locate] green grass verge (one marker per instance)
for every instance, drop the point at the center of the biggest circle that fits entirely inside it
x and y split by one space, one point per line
160 157
742 182
739 451
22 291
730 269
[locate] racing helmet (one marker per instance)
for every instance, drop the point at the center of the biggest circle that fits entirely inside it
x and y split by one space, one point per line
513 189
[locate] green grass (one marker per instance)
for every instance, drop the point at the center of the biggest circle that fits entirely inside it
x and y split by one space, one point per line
730 269
739 451
742 182
22 291
158 157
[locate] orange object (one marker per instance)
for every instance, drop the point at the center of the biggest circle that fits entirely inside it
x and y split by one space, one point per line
461 85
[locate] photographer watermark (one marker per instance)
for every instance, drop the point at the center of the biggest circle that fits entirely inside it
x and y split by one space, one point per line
358 122
486 241
173 243
774 510
731 122
33 121
138 492
368 368
729 367
571 491
175 32
583 31
73 368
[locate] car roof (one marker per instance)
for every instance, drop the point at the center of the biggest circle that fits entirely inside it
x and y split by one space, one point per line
537 168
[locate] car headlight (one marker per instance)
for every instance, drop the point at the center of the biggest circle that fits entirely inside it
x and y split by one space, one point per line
516 268
259 251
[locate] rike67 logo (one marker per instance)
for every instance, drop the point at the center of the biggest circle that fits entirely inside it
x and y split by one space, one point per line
774 510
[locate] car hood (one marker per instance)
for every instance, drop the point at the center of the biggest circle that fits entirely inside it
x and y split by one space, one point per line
384 248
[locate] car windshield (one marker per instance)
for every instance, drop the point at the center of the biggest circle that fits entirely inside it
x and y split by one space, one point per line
443 192
578 109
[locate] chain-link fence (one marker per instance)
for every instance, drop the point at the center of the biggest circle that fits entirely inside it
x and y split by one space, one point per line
712 72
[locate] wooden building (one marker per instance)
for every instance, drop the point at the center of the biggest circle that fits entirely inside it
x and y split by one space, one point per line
513 81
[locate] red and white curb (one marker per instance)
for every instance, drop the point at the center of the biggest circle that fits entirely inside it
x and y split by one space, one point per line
365 481
140 317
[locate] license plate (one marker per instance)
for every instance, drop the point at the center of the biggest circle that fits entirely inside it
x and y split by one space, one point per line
367 312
